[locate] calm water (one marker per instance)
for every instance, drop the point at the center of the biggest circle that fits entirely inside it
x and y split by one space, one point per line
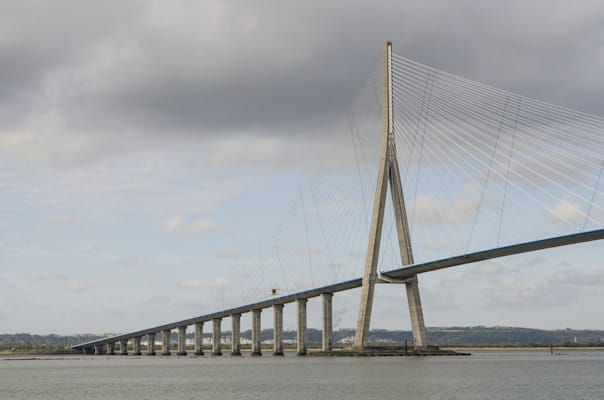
482 376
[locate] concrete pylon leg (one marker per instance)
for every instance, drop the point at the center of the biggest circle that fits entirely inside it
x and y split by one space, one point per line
124 347
136 346
236 334
98 350
216 337
278 330
301 334
256 331
182 341
199 338
151 344
327 321
111 348
165 342
415 312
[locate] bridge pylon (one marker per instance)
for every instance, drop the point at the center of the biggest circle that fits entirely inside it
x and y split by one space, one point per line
388 174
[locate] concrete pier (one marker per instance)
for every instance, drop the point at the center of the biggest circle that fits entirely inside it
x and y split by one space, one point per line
136 346
278 330
182 340
327 322
99 350
199 338
256 329
236 334
151 344
111 348
124 347
165 342
216 336
301 326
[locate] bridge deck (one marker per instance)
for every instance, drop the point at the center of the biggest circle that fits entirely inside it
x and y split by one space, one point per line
397 273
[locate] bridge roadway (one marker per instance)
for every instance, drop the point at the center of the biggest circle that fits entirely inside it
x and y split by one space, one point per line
394 274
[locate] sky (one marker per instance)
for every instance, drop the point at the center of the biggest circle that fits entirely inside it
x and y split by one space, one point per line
153 152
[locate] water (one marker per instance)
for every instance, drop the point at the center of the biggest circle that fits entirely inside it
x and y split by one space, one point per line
494 376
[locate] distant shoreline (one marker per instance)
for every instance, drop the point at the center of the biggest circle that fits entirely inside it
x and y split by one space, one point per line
512 349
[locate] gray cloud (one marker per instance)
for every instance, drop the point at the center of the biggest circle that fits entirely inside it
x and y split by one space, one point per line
213 68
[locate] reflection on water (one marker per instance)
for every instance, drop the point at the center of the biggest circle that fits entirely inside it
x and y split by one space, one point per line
482 376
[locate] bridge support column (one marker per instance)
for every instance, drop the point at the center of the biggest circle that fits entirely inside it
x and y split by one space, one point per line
216 337
99 350
301 303
327 322
165 342
199 338
236 334
256 331
111 348
182 340
278 330
136 346
151 344
124 347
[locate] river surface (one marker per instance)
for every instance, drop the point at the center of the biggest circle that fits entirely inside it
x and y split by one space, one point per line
514 375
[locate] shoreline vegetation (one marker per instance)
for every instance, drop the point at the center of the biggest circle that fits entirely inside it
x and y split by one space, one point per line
478 338
54 355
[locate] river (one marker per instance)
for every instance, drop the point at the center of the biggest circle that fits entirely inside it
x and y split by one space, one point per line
484 375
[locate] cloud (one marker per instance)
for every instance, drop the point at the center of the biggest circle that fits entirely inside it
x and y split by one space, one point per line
76 286
205 283
60 219
435 244
487 269
513 291
119 68
159 299
308 250
578 278
430 211
178 224
531 262
45 138
227 254
566 211
46 276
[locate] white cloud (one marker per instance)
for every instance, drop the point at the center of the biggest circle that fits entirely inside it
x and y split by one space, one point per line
487 269
45 277
579 278
430 211
178 224
566 211
513 291
227 254
76 286
531 262
60 219
435 244
205 283
308 250
45 138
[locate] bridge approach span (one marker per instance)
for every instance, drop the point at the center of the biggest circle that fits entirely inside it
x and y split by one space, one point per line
398 273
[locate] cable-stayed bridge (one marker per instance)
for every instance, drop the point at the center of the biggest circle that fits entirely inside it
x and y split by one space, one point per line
493 172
